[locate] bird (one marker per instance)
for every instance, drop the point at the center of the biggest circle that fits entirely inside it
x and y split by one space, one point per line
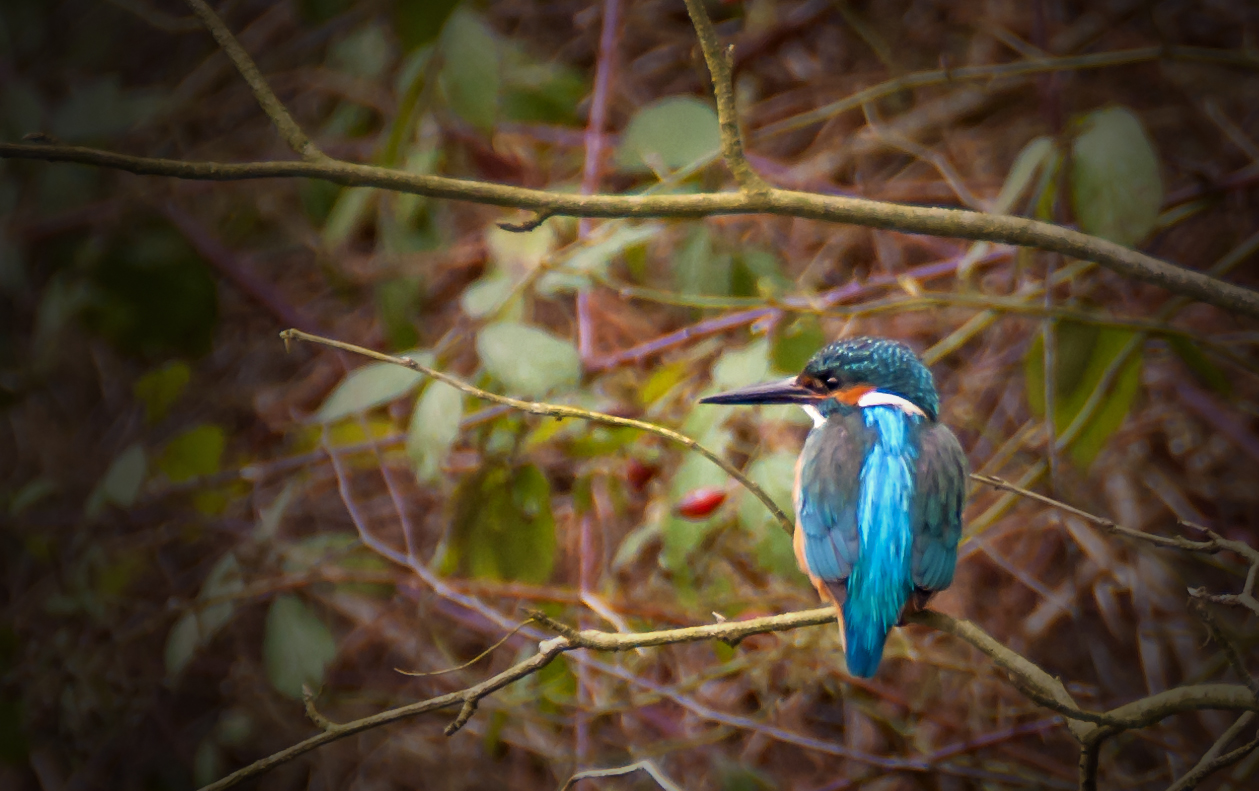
879 486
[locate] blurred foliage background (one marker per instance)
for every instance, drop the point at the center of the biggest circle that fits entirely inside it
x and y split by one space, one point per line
196 524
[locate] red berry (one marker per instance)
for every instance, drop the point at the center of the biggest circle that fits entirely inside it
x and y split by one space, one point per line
700 503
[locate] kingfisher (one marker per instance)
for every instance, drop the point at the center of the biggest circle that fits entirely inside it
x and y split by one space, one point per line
879 486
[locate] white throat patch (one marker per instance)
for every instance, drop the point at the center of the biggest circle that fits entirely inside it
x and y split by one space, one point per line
814 413
880 398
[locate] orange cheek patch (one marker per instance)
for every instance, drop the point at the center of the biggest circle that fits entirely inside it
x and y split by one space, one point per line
851 395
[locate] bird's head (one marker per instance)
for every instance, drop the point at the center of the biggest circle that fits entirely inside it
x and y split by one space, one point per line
849 374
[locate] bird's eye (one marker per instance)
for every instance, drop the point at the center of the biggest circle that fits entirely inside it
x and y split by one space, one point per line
832 382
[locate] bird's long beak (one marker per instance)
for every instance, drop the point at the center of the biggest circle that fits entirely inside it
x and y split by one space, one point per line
784 391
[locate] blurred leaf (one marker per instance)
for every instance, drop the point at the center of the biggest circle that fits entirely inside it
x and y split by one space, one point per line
795 342
503 528
528 360
698 269
662 380
418 23
316 12
208 763
121 482
775 474
397 305
21 108
296 648
486 295
318 198
543 93
434 428
595 258
700 503
517 254
556 683
193 453
757 273
1038 156
470 75
31 493
362 53
196 628
1116 189
13 745
740 367
1206 371
160 388
1085 351
100 108
152 294
370 386
350 210
675 131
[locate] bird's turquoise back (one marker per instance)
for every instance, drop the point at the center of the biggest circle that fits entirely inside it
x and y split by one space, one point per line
880 502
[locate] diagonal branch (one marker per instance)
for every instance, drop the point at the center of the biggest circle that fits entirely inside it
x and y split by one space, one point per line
271 105
719 68
558 411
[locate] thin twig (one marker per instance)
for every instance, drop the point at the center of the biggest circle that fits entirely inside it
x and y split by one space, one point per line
271 105
1003 70
616 771
720 62
1212 760
558 411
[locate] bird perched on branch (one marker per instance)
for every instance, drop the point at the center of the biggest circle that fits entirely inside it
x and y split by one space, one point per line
879 486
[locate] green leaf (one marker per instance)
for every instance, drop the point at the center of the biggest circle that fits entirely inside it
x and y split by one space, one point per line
526 359
697 269
208 763
795 342
350 210
362 53
775 474
1206 371
1116 189
152 294
547 93
1038 156
674 132
1085 351
434 428
470 76
418 23
517 254
193 453
160 388
487 295
397 306
595 258
757 273
503 528
197 627
740 367
373 385
297 647
121 483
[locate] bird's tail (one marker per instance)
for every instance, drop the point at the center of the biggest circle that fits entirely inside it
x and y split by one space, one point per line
867 621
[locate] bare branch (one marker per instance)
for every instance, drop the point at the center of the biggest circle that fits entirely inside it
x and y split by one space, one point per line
646 766
1212 760
954 223
720 69
271 105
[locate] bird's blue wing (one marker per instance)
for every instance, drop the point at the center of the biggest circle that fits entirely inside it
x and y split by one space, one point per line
936 519
828 493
